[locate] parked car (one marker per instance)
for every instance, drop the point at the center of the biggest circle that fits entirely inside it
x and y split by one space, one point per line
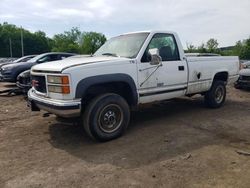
22 59
6 60
24 81
9 73
244 78
128 70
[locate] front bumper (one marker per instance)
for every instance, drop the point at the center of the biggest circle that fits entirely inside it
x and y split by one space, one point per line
242 84
23 86
6 77
62 108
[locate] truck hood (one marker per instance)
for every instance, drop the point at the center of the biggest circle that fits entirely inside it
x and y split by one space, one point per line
59 66
244 72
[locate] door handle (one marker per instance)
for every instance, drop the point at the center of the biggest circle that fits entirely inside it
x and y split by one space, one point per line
181 68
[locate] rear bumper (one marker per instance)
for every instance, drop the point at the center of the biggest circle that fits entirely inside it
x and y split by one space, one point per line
62 108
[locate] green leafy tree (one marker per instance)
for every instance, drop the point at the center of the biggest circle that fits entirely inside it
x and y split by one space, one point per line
212 45
91 41
34 43
9 34
202 48
67 42
191 48
242 49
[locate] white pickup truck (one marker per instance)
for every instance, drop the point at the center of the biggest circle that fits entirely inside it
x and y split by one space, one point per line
128 70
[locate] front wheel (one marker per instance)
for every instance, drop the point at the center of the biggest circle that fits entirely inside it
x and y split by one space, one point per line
106 117
216 96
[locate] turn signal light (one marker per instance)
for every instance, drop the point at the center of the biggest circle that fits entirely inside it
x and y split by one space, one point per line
65 89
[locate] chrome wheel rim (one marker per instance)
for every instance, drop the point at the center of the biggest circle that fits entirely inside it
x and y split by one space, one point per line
219 94
110 118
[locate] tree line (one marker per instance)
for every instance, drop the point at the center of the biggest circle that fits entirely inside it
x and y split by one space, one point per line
241 48
74 41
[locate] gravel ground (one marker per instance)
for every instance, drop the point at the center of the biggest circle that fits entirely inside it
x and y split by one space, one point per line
175 144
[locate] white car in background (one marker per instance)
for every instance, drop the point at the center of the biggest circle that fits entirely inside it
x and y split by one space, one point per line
244 77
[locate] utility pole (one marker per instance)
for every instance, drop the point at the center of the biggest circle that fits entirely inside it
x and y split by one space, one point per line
10 47
22 41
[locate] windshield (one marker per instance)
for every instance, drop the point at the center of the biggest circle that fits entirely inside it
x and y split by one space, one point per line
24 59
34 59
123 46
18 60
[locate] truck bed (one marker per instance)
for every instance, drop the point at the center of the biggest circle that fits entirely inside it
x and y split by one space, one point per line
203 69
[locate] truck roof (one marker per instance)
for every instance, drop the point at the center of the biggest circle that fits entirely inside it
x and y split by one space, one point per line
150 31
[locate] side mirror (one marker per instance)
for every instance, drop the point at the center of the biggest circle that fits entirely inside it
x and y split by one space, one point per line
155 57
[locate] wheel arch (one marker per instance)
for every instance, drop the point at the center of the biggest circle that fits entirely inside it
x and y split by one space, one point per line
117 83
221 75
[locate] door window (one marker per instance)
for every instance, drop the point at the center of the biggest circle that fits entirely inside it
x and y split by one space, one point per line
43 59
54 57
64 56
166 45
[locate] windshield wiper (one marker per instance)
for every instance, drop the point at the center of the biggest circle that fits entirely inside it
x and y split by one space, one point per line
110 54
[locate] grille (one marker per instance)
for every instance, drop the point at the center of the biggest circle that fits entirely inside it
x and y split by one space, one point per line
39 83
245 78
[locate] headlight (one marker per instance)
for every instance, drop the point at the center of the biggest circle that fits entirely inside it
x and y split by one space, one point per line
58 84
6 68
58 79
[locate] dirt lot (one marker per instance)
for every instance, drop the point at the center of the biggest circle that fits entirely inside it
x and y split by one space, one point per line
176 144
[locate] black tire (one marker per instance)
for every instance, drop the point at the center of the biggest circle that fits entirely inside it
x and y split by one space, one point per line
106 117
216 96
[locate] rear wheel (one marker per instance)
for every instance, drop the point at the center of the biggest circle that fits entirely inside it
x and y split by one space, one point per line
106 117
216 96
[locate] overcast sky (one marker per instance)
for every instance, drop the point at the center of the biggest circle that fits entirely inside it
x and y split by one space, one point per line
195 20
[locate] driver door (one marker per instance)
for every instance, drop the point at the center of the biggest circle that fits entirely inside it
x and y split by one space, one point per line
166 80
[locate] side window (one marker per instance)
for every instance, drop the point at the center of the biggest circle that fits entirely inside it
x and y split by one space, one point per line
25 59
44 59
28 58
166 45
54 57
63 56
